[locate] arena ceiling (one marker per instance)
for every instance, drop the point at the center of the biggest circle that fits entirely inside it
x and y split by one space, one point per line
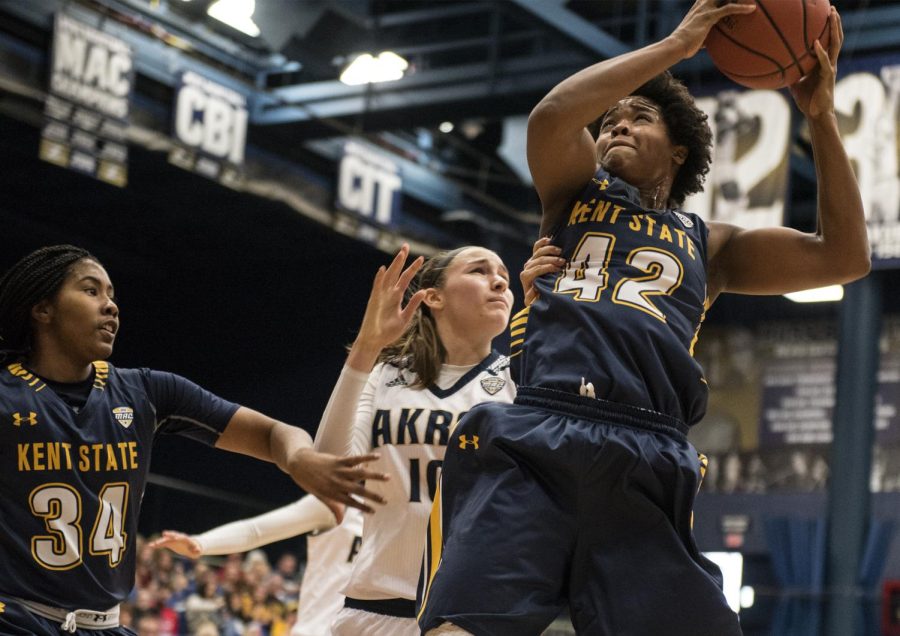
477 64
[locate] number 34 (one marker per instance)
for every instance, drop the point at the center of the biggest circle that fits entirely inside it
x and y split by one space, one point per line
60 506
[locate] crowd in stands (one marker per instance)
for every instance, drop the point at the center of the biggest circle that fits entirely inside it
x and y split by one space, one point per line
238 595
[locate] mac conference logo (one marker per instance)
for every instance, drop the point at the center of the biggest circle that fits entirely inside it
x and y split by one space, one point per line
493 384
124 415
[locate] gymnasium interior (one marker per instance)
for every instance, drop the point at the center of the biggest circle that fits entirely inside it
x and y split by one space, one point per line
242 244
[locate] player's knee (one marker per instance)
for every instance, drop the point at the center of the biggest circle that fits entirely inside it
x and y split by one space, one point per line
447 629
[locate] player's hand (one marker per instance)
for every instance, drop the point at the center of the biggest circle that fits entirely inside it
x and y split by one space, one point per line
386 318
814 94
544 259
334 479
179 543
692 32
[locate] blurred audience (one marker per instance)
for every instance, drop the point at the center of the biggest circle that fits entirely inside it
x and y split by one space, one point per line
240 596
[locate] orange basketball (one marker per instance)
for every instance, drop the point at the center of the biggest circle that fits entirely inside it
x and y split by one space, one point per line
773 46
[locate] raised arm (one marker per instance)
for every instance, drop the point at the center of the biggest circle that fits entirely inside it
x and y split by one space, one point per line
561 152
781 260
305 515
384 321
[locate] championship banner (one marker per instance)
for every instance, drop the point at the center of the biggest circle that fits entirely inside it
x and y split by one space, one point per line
86 110
798 401
747 182
209 129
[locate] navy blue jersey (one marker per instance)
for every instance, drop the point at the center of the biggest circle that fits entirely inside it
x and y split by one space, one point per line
625 313
73 482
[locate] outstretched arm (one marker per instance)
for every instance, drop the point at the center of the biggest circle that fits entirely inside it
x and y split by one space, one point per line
781 260
290 448
305 515
561 153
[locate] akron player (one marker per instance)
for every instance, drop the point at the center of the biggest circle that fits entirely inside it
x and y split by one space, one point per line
331 549
410 376
75 440
581 492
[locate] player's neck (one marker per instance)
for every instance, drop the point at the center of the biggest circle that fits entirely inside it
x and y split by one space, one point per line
462 350
56 367
656 196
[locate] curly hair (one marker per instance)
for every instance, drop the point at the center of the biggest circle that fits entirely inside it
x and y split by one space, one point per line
687 126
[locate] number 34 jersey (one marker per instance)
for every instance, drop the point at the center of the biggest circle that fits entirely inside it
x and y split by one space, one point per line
625 313
72 482
410 429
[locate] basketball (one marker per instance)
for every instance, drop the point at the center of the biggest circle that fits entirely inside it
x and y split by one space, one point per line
772 47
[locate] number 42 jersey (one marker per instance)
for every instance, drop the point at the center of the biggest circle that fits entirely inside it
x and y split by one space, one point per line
625 313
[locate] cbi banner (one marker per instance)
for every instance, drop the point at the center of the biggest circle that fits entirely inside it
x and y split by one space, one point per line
209 128
86 109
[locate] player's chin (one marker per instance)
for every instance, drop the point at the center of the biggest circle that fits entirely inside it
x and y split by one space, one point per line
102 351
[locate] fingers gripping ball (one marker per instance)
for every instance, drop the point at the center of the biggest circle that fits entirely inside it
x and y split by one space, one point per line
772 47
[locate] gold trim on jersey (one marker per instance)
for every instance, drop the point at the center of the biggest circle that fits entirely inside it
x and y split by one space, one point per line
706 306
16 369
433 547
517 327
101 373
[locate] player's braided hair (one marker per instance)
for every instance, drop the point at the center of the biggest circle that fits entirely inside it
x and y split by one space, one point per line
420 348
36 277
687 126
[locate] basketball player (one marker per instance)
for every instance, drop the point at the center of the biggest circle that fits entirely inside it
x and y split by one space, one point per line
411 373
75 447
581 492
330 552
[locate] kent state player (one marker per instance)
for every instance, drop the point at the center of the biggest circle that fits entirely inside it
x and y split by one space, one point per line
75 441
587 481
331 549
410 375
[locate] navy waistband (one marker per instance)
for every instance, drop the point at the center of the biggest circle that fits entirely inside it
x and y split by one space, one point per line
601 410
398 607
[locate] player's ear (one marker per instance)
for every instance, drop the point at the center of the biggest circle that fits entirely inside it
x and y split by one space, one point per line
42 312
434 299
679 154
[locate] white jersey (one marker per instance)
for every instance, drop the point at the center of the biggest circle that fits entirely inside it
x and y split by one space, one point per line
329 562
409 428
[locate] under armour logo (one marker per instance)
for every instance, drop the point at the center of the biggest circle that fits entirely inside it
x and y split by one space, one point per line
19 419
464 442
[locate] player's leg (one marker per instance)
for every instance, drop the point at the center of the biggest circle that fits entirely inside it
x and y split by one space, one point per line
353 622
448 629
636 568
506 529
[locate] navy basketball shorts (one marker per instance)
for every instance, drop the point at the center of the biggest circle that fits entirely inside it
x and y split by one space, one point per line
558 499
16 620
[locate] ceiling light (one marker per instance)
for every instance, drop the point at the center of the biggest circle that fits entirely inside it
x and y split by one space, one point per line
818 295
237 14
446 126
367 69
